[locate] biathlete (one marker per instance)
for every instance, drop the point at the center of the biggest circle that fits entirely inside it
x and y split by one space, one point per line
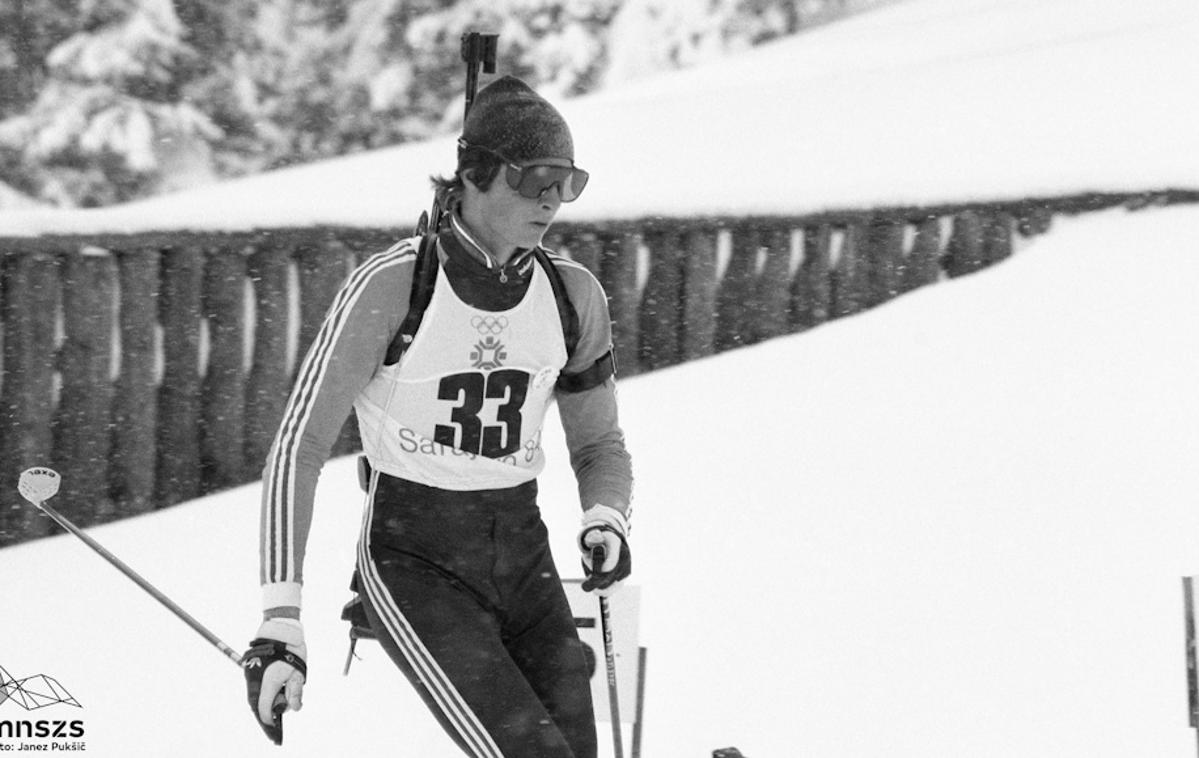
454 565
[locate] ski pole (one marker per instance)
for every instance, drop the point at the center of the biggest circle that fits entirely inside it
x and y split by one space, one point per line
39 484
597 561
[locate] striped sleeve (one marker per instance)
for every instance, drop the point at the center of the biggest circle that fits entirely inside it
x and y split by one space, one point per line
343 357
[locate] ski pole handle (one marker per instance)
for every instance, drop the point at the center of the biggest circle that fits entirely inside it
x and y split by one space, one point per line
597 558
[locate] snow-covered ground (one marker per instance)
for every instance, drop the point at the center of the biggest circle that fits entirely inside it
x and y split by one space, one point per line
952 526
923 101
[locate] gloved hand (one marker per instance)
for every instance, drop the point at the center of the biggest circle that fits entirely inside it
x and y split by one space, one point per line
275 672
606 528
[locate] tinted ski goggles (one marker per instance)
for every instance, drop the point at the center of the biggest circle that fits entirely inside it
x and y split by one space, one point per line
532 181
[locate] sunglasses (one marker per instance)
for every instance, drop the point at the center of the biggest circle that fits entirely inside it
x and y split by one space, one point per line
533 181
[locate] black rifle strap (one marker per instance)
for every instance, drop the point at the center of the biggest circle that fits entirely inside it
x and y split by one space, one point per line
566 309
598 372
424 276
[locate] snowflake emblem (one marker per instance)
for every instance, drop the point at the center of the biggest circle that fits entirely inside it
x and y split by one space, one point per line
488 353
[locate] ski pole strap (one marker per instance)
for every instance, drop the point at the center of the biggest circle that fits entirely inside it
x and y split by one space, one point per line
264 651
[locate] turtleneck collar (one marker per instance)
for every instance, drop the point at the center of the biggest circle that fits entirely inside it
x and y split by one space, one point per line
474 254
475 274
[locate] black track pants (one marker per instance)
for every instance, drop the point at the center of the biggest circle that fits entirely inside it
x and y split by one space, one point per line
461 590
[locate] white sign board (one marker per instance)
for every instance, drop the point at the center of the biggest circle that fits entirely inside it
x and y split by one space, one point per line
623 608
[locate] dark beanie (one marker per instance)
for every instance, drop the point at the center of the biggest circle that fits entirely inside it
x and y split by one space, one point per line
507 116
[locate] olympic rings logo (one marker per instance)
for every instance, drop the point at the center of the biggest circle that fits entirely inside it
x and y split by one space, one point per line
489 324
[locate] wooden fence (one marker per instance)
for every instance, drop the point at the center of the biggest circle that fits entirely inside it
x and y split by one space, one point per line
150 369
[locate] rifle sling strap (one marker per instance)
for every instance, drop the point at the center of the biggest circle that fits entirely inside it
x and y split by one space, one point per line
424 277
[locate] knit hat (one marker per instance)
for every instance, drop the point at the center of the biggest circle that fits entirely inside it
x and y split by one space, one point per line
507 116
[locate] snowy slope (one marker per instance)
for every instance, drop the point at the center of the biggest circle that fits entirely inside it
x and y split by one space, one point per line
952 526
924 101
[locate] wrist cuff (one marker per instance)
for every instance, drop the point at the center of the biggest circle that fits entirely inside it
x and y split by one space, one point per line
279 594
606 515
288 631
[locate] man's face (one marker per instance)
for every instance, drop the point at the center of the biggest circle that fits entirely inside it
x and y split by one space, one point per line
505 219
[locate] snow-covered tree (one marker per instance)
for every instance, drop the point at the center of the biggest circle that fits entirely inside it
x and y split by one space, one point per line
105 100
559 46
647 36
327 79
356 73
28 30
267 81
108 123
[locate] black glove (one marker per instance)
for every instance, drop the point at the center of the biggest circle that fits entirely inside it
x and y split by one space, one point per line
605 546
275 673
